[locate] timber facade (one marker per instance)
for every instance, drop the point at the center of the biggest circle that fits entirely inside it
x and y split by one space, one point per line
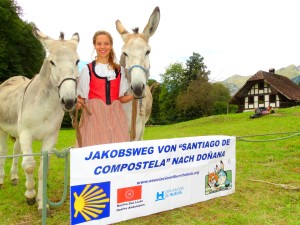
265 89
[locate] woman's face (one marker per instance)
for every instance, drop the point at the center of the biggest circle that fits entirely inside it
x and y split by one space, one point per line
103 46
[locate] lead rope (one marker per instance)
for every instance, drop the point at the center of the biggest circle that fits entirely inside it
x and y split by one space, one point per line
133 120
78 134
76 126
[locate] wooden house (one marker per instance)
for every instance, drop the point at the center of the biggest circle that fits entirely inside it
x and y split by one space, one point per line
265 89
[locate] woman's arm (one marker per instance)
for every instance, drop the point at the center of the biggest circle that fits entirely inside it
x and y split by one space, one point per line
83 87
125 95
125 98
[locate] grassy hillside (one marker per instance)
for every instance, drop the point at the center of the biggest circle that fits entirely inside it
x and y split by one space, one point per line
238 80
260 170
290 71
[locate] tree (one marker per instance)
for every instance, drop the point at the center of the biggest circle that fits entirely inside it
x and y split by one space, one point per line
196 100
195 70
221 96
186 92
203 99
20 52
170 89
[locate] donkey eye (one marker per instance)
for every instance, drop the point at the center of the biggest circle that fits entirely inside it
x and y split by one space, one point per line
125 54
52 63
148 52
77 62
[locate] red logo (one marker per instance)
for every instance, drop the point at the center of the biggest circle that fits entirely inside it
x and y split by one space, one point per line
129 194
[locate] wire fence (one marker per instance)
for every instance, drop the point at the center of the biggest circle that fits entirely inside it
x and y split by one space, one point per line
291 134
65 153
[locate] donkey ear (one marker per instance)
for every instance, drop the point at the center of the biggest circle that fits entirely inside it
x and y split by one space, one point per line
75 40
43 38
121 29
40 35
75 37
152 24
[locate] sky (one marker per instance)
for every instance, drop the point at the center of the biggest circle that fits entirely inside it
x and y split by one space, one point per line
233 36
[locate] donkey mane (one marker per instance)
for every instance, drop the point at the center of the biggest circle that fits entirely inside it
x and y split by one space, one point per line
135 30
61 36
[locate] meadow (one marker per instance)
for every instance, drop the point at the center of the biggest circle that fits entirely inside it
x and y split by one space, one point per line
267 169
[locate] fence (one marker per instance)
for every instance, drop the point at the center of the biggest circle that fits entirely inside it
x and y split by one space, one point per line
65 154
60 154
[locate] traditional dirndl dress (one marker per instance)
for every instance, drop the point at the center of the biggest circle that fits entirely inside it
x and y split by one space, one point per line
106 124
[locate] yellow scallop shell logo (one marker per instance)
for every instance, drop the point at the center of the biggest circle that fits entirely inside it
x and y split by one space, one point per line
90 202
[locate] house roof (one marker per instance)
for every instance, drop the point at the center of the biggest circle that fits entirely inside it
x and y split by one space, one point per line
278 83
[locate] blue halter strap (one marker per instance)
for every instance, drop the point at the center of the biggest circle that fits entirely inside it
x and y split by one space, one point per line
138 66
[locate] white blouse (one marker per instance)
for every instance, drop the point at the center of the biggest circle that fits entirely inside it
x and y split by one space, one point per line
101 70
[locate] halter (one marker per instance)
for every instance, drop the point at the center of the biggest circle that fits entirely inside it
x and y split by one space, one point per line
68 78
137 66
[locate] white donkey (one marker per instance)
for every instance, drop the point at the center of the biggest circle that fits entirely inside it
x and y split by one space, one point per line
135 59
34 109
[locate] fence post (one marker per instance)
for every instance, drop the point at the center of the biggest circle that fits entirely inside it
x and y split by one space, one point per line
59 154
45 171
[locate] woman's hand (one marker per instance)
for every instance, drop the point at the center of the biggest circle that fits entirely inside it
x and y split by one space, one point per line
80 103
125 98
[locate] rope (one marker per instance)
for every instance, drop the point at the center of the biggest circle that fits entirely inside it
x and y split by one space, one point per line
59 154
239 138
21 155
55 151
284 186
62 154
133 120
242 138
78 134
76 126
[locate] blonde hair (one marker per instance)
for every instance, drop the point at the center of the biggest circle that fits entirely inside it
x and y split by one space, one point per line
112 56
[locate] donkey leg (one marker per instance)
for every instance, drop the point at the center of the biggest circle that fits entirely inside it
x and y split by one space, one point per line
142 131
3 152
39 197
28 164
14 168
140 128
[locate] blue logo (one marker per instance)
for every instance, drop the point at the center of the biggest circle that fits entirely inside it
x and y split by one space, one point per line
160 196
90 202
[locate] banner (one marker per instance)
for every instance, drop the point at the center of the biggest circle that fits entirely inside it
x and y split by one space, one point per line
116 182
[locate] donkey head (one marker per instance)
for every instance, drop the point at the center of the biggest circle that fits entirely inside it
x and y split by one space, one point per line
135 53
61 66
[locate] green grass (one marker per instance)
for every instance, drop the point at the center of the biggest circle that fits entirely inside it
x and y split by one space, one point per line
253 202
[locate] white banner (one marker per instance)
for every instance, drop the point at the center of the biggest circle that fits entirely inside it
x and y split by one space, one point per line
116 182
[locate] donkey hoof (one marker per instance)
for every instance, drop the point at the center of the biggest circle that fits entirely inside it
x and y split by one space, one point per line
30 201
1 186
48 213
14 182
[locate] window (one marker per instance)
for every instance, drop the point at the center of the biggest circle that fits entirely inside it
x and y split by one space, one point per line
261 99
273 98
251 100
261 85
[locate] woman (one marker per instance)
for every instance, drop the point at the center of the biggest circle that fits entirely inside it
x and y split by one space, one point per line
101 88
